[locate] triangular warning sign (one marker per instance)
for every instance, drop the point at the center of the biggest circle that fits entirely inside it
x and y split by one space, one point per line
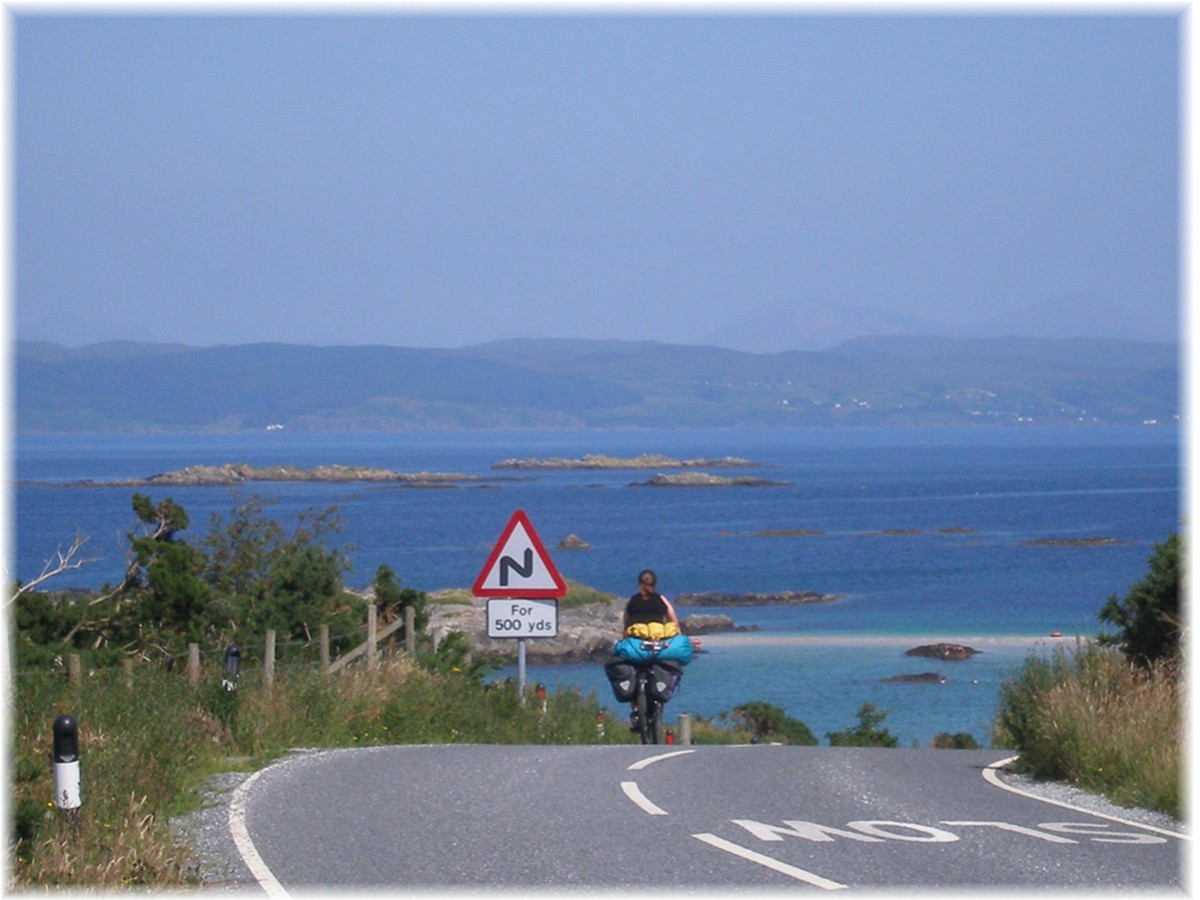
519 565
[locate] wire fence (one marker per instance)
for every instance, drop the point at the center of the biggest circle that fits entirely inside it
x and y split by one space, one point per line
277 656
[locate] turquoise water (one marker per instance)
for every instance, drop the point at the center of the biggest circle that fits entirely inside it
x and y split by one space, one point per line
1002 487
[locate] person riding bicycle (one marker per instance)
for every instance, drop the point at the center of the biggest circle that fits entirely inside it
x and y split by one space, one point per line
649 615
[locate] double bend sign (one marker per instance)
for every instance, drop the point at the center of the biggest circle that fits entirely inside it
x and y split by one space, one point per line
519 565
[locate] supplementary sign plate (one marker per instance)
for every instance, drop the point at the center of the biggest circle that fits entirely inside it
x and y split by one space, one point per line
522 618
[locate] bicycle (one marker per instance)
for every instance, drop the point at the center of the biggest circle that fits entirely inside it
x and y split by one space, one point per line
647 686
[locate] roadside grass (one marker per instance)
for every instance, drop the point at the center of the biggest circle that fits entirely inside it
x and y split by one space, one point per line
1090 717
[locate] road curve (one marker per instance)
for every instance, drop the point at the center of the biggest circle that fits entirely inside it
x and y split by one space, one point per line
820 818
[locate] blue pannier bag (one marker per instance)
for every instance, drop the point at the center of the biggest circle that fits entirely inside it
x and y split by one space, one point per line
640 651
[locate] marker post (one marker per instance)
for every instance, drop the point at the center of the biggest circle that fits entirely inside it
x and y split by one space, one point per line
66 767
233 665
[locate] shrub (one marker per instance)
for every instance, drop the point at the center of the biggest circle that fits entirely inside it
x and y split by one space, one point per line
959 741
765 722
867 733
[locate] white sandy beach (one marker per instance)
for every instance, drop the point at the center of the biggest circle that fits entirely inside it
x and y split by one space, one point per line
979 642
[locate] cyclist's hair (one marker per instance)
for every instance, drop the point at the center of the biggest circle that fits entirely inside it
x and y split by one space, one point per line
653 578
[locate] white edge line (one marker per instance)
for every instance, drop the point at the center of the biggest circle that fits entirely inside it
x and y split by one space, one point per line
650 760
634 793
990 776
800 874
241 839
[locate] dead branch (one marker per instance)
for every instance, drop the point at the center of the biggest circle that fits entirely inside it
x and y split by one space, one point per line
56 565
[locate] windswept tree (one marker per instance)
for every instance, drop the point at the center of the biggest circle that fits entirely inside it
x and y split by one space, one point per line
160 605
1148 618
268 579
163 603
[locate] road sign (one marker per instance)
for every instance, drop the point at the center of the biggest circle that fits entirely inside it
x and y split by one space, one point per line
508 618
519 565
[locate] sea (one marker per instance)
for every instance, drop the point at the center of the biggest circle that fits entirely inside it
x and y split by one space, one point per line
923 535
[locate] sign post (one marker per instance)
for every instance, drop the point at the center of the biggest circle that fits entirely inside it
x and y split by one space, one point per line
522 587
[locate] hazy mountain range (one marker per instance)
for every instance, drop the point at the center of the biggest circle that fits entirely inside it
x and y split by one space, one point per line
815 324
880 381
758 325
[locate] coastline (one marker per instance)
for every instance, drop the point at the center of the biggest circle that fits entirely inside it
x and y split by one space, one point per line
907 641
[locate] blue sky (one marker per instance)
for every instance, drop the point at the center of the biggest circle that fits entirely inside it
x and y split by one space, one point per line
754 181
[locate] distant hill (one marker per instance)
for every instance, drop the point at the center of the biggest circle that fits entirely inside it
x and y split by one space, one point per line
884 381
815 323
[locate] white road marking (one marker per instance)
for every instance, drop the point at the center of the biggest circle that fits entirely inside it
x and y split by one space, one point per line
763 860
634 793
650 760
241 839
989 775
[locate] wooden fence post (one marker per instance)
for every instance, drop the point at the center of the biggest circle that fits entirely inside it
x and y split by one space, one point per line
74 669
193 664
269 661
410 630
324 637
372 649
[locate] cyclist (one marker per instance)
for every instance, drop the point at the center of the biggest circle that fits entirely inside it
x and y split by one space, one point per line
648 614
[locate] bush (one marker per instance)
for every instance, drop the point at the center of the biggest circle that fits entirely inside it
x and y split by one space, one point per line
960 741
867 733
765 722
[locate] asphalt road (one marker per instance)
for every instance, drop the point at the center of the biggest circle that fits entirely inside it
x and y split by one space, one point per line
810 818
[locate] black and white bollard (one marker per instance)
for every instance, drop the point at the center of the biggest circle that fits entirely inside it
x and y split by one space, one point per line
233 664
66 766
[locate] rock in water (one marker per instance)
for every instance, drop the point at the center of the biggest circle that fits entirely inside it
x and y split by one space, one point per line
943 651
923 677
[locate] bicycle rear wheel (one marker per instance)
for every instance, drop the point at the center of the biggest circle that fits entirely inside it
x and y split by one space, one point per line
653 712
644 707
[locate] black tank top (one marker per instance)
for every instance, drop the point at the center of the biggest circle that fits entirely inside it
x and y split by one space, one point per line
645 609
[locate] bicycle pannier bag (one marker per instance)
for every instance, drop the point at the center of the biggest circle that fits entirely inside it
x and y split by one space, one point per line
623 679
664 679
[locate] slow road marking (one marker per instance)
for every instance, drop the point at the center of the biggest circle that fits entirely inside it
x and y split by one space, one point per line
990 776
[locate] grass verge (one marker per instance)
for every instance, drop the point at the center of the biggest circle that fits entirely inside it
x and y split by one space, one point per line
1089 717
